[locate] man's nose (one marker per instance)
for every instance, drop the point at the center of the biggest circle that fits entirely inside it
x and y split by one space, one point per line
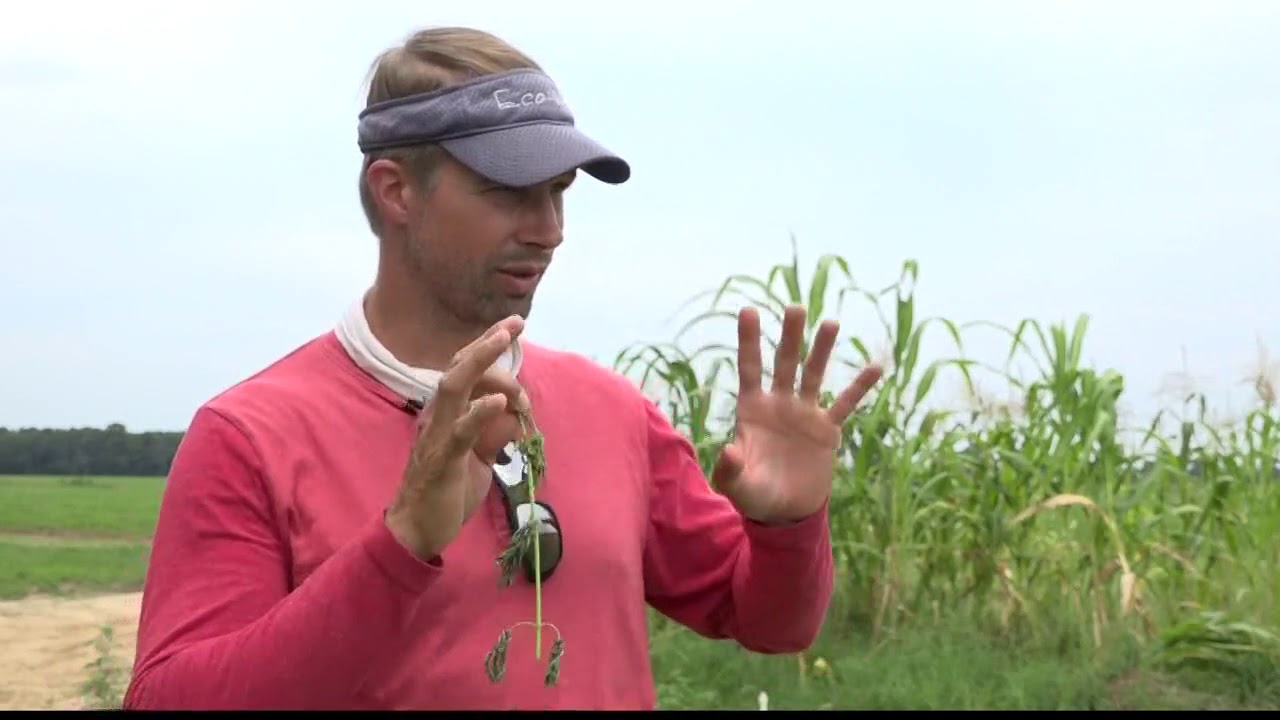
543 221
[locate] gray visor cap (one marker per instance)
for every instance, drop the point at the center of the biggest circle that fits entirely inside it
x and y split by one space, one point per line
513 128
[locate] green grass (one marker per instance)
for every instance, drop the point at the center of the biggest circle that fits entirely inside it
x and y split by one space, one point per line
75 535
944 665
64 570
87 506
944 668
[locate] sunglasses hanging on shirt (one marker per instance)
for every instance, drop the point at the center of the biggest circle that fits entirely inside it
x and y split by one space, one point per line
511 474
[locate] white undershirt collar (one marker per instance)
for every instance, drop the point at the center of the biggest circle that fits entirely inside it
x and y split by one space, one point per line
374 358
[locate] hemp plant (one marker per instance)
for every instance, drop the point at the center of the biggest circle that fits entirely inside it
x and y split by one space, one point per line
524 542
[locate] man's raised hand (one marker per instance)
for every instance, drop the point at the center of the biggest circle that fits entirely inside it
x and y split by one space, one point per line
449 469
778 469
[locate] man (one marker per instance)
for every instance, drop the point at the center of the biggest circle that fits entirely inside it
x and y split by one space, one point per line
330 528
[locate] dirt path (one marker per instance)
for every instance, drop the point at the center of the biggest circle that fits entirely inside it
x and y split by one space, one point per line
46 643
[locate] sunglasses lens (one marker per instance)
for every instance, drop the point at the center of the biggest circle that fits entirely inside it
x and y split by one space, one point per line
549 541
549 553
511 467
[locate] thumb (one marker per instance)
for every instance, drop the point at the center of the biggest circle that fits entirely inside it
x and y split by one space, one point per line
727 470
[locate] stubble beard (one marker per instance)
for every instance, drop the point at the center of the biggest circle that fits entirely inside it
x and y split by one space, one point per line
467 299
481 305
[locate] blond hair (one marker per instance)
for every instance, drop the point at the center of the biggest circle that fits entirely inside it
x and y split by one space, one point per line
428 60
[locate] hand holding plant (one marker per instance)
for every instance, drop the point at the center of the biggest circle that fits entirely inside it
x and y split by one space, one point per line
447 475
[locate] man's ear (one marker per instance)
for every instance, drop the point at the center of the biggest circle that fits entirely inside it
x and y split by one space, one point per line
390 186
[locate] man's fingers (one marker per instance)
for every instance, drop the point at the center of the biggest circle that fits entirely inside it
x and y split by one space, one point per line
815 366
749 362
513 324
497 380
788 355
459 380
466 431
847 401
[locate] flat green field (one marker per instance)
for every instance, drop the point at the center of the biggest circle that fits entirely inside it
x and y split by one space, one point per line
100 507
73 535
90 535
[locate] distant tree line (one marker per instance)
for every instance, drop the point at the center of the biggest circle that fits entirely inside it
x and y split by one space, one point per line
86 451
116 451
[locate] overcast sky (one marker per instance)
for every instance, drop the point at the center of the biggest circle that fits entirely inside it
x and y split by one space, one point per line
178 200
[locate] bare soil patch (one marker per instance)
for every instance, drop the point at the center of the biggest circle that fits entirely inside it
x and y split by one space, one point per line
49 642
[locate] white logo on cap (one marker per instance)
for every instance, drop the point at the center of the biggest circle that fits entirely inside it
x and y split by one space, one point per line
525 100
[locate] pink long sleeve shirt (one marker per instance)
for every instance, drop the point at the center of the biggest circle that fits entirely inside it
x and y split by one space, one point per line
274 583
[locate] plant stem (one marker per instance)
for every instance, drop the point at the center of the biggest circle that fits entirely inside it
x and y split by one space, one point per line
535 523
537 569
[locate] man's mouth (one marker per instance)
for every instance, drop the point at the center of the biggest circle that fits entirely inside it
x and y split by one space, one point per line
521 278
523 270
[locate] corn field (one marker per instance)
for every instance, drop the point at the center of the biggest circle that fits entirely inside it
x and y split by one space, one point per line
1043 518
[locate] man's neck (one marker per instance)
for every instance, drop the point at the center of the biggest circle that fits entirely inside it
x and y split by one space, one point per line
410 331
